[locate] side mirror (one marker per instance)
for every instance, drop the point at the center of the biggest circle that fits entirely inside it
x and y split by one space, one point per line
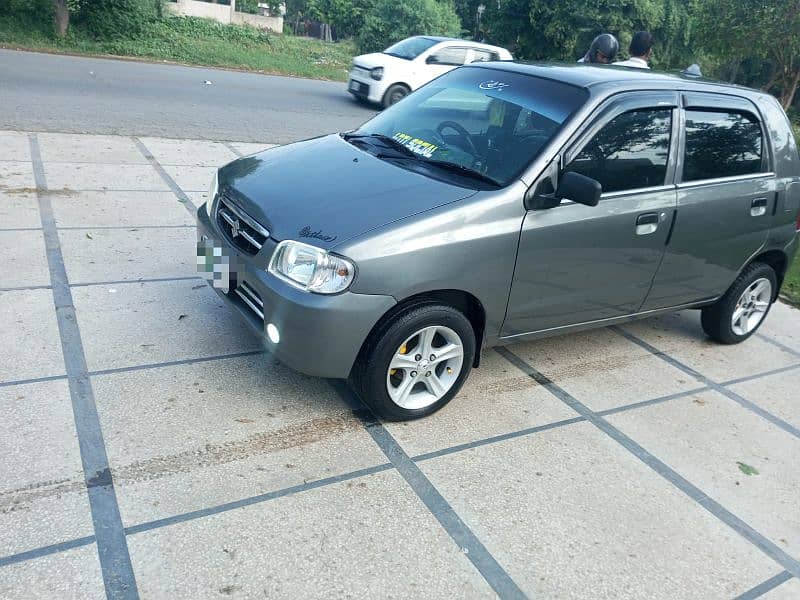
579 188
432 60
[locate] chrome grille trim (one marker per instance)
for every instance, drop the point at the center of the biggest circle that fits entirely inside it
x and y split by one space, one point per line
240 228
251 298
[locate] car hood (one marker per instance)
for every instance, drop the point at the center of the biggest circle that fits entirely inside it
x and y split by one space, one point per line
378 59
325 191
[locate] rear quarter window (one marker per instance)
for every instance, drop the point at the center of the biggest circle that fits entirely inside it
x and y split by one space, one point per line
722 144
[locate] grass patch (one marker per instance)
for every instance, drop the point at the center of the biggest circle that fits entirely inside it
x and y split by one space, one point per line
791 284
197 42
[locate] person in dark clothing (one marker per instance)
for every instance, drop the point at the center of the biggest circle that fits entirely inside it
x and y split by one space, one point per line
602 50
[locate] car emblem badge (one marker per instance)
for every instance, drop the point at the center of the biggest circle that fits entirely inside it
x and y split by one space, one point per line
235 228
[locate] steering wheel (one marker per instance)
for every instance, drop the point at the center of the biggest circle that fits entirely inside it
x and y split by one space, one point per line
463 133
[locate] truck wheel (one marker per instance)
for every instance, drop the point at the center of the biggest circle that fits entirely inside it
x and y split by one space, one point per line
739 313
415 363
394 94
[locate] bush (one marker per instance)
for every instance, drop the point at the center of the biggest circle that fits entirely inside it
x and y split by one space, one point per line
112 19
391 21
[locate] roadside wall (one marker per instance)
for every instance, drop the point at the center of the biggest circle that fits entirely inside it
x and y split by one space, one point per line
205 10
223 13
270 23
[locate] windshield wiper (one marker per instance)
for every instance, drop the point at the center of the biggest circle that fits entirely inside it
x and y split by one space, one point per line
462 170
392 143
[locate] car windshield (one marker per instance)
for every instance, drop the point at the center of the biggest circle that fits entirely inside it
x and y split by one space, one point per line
474 122
410 48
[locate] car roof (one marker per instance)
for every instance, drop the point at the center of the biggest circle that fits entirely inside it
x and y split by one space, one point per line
610 76
439 39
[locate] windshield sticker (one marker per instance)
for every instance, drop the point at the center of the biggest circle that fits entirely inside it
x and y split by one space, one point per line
494 85
416 145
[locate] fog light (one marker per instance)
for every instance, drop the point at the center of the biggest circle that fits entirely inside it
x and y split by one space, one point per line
273 334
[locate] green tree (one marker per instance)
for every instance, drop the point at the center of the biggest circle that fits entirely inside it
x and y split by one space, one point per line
544 30
737 31
390 21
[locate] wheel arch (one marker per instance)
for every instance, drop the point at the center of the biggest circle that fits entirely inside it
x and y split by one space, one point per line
779 262
462 301
390 86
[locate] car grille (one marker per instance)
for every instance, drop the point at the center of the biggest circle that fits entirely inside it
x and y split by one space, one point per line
251 298
241 229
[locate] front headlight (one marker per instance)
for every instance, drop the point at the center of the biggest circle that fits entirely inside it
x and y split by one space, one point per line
212 192
310 268
376 73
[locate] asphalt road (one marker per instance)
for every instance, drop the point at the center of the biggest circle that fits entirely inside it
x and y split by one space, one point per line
43 92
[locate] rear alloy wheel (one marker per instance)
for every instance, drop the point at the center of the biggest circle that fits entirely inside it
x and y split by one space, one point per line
394 94
739 313
416 363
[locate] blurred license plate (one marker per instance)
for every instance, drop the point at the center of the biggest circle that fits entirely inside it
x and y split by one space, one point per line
216 263
354 85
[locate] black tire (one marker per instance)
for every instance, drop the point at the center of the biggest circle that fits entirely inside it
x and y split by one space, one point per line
394 94
369 375
717 318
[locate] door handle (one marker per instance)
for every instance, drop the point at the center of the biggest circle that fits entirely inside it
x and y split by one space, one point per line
646 223
758 207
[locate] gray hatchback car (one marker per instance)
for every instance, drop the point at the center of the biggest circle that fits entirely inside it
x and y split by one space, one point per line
505 202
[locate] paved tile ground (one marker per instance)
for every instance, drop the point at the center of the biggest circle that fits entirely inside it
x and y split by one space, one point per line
152 450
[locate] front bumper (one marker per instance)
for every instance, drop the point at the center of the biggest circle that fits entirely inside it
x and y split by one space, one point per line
320 335
366 88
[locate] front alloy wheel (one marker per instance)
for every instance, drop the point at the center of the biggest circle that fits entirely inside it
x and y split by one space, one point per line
415 362
425 367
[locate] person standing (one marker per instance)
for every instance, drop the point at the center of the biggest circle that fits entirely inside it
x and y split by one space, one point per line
641 50
602 50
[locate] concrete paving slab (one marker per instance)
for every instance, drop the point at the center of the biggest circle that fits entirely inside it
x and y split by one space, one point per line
16 176
681 336
570 514
197 198
709 440
15 145
190 178
30 330
365 538
119 209
604 369
790 590
86 176
200 153
215 432
71 575
247 148
141 323
777 394
496 399
93 255
18 210
42 491
783 324
68 147
23 258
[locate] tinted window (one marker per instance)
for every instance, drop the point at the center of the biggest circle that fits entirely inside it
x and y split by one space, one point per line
451 56
410 48
721 144
630 152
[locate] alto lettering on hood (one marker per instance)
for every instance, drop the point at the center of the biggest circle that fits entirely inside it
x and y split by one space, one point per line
416 145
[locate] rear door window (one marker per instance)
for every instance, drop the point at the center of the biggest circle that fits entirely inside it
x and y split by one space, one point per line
481 55
721 144
450 55
629 152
